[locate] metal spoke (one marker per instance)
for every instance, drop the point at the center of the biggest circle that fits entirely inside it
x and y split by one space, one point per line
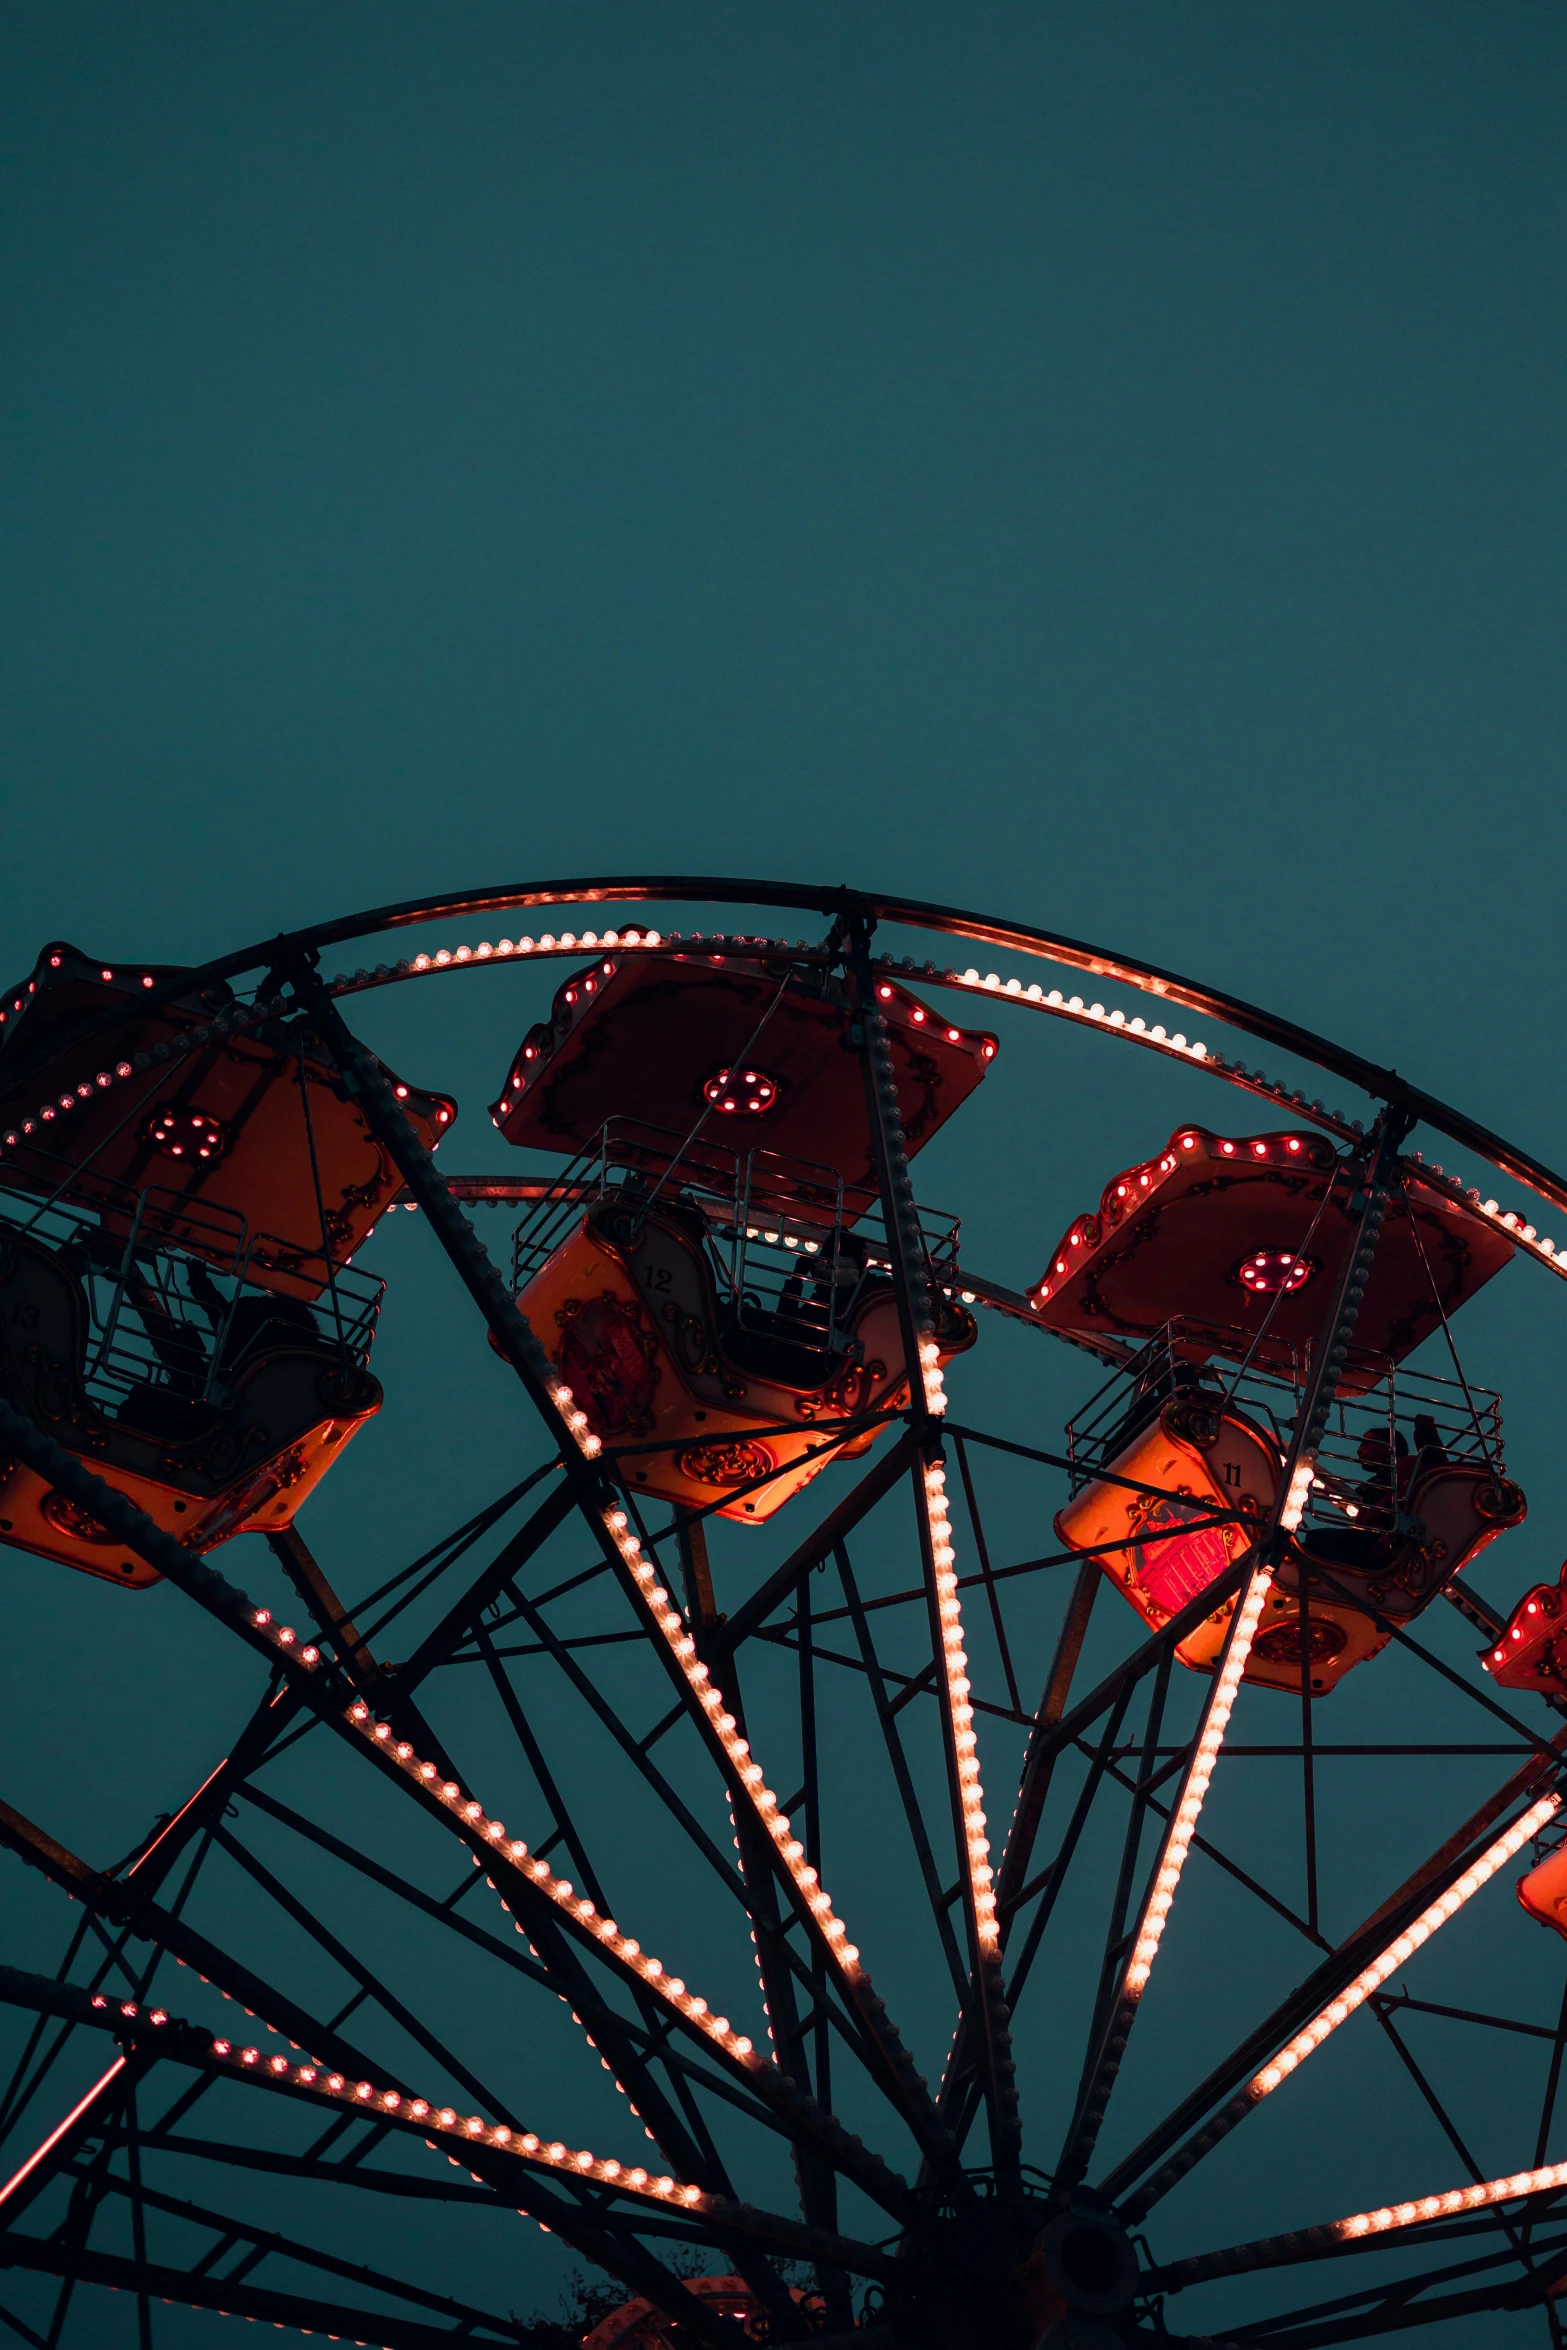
552 1645
354 1967
1379 1933
1308 1766
919 1836
465 1613
268 2242
1301 2328
882 1478
987 1574
597 2230
1052 1882
1112 2027
300 2313
914 1288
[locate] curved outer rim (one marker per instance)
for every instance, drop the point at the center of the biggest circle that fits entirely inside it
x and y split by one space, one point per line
1370 1077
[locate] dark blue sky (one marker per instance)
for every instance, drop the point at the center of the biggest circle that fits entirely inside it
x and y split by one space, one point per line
1098 465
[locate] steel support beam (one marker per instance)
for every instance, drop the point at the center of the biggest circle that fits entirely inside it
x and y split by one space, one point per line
986 2002
1443 1868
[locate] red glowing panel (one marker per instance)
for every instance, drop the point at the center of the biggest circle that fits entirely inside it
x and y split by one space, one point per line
187 1134
611 1363
1543 1892
1172 1567
1274 1269
741 1093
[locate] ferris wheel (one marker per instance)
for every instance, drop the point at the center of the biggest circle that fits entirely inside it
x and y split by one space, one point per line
799 1841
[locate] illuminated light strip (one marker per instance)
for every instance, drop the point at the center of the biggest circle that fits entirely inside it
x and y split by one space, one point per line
285 1640
193 1040
451 958
42 2153
1302 1478
971 1795
522 949
174 1049
1409 1941
756 1948
1071 1008
931 1381
1354 2229
1092 1015
576 1419
463 2130
671 1624
1183 1824
1114 1021
1507 1220
558 1890
1132 1026
1361 2224
1404 2215
569 942
276 2065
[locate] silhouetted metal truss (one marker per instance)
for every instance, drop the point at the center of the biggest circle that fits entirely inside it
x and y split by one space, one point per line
921 2235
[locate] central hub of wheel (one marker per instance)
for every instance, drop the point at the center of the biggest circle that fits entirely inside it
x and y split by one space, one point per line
1003 2275
1089 2262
